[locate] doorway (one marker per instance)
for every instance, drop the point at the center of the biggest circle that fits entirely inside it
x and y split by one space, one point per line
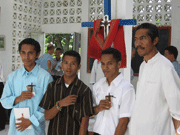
64 41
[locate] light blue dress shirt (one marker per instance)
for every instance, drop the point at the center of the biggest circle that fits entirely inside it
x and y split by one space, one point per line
16 83
42 61
177 67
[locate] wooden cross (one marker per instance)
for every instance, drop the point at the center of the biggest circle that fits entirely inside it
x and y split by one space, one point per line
105 22
108 97
31 87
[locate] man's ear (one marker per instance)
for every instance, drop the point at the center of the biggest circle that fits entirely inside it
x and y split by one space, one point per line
37 55
79 66
119 64
156 40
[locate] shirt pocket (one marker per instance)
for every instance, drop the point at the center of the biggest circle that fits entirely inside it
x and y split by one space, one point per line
116 102
39 92
152 84
77 112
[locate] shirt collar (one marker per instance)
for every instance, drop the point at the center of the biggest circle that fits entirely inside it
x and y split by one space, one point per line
116 81
153 58
76 81
175 62
57 60
33 71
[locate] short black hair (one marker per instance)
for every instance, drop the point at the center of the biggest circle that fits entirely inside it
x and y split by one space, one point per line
74 54
59 49
49 47
116 54
172 50
153 30
30 41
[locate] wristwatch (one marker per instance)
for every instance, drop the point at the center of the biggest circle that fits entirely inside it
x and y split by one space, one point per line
57 105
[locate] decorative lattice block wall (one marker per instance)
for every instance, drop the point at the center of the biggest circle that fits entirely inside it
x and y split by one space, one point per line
158 12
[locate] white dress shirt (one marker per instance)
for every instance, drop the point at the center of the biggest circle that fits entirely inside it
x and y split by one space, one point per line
122 103
157 98
1 73
96 72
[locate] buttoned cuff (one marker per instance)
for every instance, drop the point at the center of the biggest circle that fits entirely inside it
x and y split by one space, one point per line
8 103
34 120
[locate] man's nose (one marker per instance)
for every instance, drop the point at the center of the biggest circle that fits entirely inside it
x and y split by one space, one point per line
105 67
69 65
137 43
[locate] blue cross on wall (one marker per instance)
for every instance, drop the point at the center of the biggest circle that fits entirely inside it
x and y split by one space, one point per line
107 11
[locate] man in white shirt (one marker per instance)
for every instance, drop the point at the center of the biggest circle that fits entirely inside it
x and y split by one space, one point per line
113 95
96 75
56 68
158 88
96 72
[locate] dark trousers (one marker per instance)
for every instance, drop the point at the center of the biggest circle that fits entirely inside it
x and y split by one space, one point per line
2 110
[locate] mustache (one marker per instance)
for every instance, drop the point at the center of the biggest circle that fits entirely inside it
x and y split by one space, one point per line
139 47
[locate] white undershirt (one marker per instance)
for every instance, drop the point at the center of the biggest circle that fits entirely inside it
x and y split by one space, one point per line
67 85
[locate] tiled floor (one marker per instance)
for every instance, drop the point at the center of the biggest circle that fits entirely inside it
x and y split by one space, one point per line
5 132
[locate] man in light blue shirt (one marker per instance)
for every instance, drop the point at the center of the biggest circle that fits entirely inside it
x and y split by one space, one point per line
171 53
16 93
46 61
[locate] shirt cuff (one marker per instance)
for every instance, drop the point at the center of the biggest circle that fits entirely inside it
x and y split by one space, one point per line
8 103
178 130
34 120
124 115
177 117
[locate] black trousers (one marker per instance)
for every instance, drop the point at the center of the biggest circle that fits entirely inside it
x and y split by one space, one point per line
2 110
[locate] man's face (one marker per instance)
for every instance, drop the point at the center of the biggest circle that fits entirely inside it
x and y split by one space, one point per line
52 51
70 66
58 54
143 43
110 66
168 55
28 55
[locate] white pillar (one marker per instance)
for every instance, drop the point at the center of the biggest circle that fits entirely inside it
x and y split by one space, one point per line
175 29
123 9
84 76
6 30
